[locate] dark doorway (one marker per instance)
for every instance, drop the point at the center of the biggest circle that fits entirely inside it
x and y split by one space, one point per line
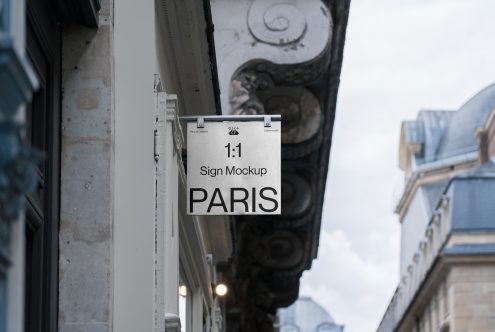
43 47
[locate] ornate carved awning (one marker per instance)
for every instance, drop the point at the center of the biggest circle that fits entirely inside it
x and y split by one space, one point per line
280 57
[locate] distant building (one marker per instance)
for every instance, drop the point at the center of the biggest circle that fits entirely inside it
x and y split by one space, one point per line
447 216
305 315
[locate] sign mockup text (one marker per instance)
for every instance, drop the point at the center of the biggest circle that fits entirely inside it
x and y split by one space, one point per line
233 168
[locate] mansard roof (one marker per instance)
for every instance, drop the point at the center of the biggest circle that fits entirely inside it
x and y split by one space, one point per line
432 192
423 136
437 135
459 138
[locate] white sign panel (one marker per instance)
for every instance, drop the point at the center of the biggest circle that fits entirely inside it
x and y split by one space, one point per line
233 168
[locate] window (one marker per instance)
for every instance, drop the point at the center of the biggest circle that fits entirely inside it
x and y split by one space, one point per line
4 15
206 320
436 318
3 284
445 299
185 296
43 40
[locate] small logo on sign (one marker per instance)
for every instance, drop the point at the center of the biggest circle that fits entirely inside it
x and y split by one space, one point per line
233 131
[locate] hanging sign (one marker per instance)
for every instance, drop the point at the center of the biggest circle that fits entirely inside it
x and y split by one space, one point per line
233 167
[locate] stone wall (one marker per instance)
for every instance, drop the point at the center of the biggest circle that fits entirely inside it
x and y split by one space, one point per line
464 301
86 220
459 296
473 291
435 315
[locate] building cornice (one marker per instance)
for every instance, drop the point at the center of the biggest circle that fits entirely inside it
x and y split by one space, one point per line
186 55
431 173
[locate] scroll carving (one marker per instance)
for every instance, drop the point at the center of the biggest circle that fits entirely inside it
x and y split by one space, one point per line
253 93
276 23
287 40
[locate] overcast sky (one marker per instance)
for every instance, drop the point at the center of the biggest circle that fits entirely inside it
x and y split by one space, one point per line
400 56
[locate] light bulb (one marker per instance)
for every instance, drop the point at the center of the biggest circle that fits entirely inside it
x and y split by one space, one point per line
221 289
183 290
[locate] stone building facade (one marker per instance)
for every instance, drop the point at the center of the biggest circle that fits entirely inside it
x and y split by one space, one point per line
93 228
447 215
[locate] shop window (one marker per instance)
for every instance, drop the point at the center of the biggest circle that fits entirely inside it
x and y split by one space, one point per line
185 305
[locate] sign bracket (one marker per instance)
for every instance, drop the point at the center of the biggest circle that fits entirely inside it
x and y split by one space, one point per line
201 119
268 121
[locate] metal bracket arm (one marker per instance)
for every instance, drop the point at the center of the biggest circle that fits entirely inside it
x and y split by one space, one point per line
267 119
